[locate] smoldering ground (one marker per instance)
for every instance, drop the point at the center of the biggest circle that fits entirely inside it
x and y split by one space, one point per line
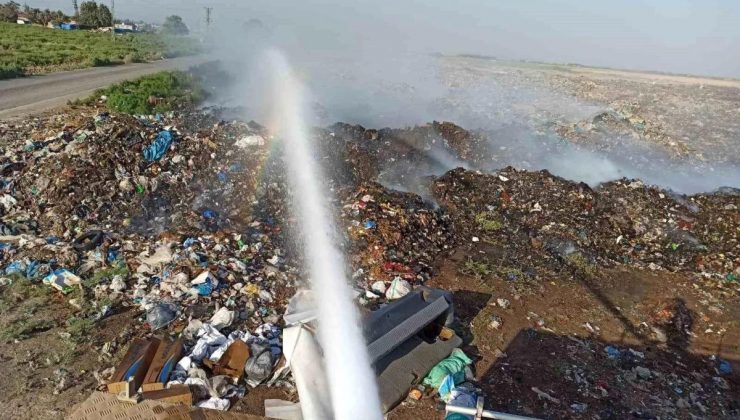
366 78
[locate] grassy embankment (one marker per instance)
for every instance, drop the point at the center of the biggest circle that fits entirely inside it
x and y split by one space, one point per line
26 50
159 92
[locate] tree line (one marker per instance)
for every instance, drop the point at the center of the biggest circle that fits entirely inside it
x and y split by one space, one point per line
10 11
89 14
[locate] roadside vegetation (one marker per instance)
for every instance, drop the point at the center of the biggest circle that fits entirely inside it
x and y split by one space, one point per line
160 92
26 49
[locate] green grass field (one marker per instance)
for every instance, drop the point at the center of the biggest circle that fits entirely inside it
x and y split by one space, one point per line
28 50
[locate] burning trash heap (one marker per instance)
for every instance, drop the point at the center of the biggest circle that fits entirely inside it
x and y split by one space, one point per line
183 217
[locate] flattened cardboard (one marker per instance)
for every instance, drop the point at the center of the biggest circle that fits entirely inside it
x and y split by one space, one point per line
165 359
179 394
134 365
232 362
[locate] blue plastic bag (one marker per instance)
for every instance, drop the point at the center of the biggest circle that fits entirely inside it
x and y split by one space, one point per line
16 267
612 352
446 387
725 368
32 270
159 146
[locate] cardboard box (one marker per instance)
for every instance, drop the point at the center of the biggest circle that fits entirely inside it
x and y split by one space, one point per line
134 365
165 359
232 362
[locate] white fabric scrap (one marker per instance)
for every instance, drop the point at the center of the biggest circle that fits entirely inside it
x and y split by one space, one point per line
236 335
209 339
8 201
304 356
301 308
215 404
149 265
222 318
203 277
398 289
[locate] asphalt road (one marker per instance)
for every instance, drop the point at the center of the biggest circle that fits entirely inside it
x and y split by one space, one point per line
30 95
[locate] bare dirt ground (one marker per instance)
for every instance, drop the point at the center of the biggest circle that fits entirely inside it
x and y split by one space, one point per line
544 342
49 355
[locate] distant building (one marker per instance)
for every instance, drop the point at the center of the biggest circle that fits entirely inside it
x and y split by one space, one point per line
125 28
23 21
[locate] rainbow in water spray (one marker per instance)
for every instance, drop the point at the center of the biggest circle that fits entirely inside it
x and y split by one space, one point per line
352 385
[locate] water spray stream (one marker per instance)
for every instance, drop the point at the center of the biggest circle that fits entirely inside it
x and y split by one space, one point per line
352 385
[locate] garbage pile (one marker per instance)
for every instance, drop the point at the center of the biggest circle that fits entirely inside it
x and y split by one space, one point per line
539 220
401 159
185 207
116 172
153 211
184 217
203 367
394 239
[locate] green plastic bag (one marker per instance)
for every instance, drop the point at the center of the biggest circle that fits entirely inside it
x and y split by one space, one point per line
454 365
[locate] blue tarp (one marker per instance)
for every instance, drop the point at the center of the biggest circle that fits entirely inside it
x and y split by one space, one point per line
159 146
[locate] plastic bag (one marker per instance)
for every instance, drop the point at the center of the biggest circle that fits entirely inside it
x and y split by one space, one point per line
160 315
159 146
259 366
454 366
398 289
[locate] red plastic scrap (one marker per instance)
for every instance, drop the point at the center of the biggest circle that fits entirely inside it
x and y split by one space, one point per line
684 225
505 197
395 267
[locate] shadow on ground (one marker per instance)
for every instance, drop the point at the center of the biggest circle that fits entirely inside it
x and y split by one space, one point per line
548 375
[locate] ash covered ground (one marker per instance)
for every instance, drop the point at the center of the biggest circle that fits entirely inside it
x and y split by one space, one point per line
581 291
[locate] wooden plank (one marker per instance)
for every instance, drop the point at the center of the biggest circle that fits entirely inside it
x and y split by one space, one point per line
179 394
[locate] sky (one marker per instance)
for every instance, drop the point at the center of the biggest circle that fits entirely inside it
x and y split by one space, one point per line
677 36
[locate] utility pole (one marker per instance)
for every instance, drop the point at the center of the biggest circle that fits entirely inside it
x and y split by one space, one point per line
113 19
208 18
